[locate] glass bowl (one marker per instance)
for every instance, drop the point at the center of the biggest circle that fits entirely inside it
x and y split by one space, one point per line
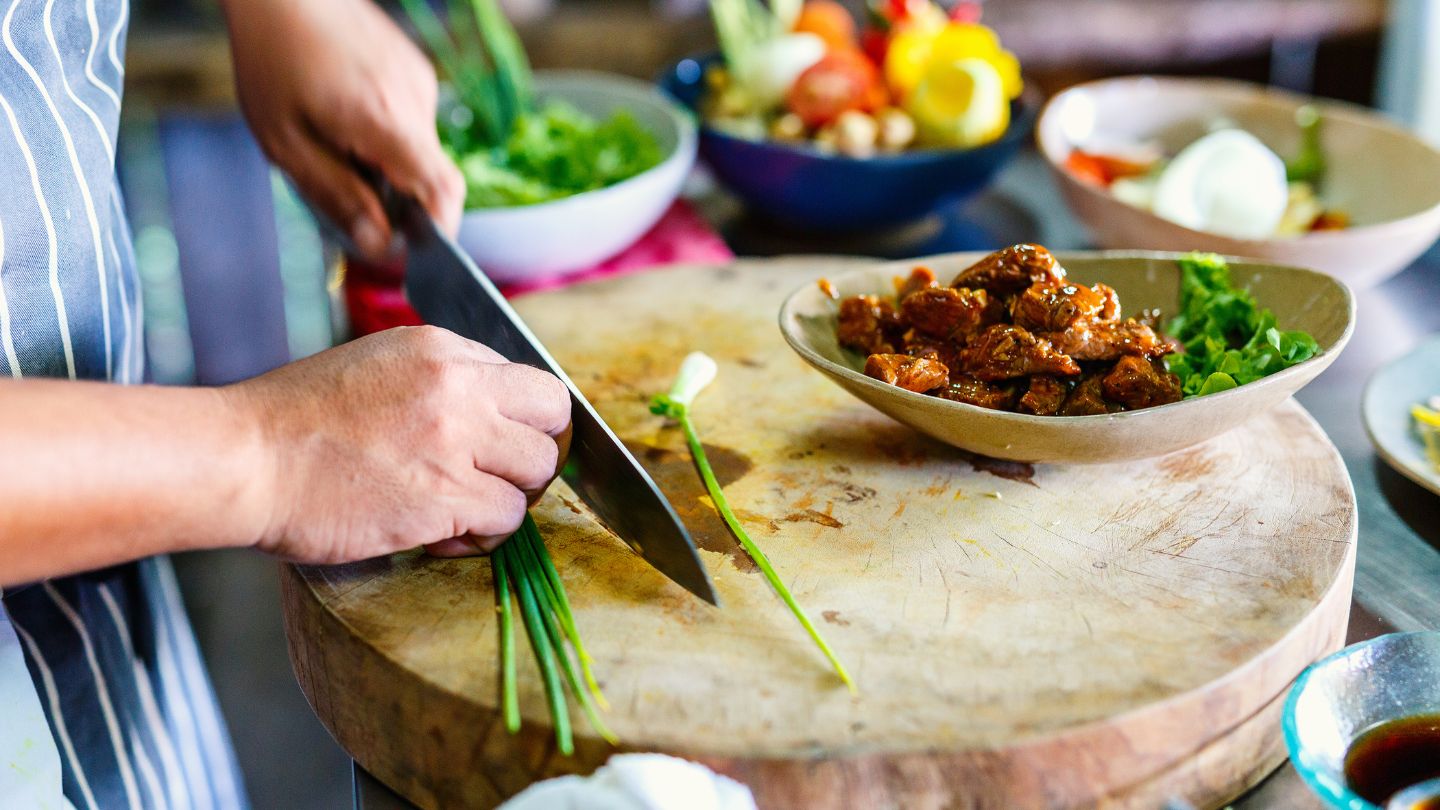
1386 678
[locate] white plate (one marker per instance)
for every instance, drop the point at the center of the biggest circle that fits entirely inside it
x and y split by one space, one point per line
1386 411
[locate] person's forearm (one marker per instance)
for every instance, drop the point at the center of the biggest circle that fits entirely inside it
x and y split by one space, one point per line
95 474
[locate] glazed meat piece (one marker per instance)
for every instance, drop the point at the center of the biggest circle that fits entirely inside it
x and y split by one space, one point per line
1049 307
1004 351
1045 396
1008 271
1086 399
1110 302
918 374
918 345
1107 341
964 388
921 278
1139 383
868 324
950 314
1012 333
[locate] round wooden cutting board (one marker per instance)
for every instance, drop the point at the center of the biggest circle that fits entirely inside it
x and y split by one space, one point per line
1110 635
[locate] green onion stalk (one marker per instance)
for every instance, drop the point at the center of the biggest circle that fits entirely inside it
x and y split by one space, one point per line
696 372
523 568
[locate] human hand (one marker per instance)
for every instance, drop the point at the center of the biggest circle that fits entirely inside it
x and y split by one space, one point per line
329 83
413 436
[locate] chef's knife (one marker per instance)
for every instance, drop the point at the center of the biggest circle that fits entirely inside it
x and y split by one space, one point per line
449 291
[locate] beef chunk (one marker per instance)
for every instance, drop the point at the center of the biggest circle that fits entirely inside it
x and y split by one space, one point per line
868 324
950 314
1008 271
1047 307
921 278
918 374
1139 383
964 388
1108 341
1110 306
1045 396
918 345
1004 351
1086 399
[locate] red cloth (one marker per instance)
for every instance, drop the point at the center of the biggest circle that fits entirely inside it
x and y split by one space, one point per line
375 296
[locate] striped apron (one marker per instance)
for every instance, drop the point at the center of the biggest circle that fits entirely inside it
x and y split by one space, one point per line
104 702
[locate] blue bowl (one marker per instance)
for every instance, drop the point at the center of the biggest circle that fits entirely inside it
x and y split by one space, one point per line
1339 698
804 188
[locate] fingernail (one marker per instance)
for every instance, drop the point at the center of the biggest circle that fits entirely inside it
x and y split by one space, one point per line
367 236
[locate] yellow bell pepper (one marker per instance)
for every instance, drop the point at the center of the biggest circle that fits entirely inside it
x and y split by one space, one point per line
914 49
959 104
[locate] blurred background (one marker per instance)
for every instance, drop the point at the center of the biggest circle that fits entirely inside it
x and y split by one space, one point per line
238 280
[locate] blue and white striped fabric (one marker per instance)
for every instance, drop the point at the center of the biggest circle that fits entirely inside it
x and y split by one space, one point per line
103 696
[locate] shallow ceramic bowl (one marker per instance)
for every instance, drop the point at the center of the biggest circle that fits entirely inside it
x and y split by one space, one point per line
1339 698
532 241
799 186
1301 299
1385 408
1386 179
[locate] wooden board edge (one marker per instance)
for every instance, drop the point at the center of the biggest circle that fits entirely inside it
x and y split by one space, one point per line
365 719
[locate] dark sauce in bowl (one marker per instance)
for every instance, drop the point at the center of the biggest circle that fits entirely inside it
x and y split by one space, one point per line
1394 755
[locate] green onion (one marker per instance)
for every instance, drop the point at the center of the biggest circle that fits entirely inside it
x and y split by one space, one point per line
509 699
696 372
523 565
567 618
529 545
544 652
481 55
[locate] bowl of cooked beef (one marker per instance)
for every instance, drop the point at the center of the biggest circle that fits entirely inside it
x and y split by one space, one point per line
1077 358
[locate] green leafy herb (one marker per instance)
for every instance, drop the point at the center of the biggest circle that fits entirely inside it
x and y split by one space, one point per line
1229 340
524 565
511 151
696 372
556 152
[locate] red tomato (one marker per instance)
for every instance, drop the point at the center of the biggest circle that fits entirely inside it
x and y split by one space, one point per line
843 80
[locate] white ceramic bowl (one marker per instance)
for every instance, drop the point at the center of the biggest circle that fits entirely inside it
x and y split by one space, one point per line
552 238
1386 179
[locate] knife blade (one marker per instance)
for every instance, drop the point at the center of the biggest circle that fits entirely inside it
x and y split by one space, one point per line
448 290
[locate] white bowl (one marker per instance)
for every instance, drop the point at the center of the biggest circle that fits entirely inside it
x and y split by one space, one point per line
553 238
1385 178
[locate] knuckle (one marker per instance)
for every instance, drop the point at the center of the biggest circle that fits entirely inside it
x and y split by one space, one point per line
507 510
556 398
542 461
433 348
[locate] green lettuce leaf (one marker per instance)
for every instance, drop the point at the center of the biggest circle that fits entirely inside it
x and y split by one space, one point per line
557 152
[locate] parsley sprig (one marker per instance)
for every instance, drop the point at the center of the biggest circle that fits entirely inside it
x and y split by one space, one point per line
1229 339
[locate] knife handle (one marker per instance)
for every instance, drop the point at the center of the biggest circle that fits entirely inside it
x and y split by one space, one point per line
400 209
